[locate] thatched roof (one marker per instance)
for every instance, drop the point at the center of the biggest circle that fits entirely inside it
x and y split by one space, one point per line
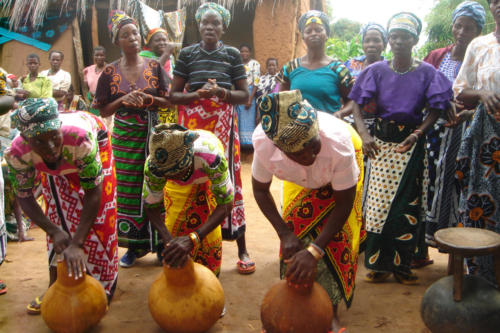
34 11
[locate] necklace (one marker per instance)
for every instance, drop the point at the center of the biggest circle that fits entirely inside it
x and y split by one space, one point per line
405 72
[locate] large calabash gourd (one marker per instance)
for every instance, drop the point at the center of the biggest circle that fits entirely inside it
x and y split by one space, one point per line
73 305
186 300
306 309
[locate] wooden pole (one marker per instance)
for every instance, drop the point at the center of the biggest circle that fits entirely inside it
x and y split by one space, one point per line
95 28
77 44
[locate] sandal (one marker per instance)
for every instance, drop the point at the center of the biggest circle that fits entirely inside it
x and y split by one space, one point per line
406 278
377 277
3 288
34 308
419 263
246 267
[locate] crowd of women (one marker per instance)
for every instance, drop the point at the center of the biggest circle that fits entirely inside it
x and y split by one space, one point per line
374 154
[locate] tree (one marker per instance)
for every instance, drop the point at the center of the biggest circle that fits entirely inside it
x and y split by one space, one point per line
439 24
345 29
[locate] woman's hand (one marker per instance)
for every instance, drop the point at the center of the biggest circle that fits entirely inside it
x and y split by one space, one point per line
60 240
290 245
451 116
209 89
370 148
133 99
491 101
248 104
406 145
75 260
22 94
176 252
300 268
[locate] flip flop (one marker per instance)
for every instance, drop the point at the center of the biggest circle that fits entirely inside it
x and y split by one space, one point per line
246 267
419 263
34 308
377 277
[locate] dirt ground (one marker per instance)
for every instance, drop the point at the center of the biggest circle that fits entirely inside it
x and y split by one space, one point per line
386 307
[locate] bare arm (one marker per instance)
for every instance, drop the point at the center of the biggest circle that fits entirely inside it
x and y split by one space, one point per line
370 149
471 98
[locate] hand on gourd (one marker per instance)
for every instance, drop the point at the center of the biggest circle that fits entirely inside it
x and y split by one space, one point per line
60 240
300 268
75 260
176 252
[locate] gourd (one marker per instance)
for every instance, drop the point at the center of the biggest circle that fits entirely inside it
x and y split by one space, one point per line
73 305
306 309
186 300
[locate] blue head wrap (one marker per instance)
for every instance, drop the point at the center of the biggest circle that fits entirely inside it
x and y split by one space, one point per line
314 16
473 10
374 26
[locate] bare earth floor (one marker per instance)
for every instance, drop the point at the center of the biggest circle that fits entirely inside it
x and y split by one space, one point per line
386 307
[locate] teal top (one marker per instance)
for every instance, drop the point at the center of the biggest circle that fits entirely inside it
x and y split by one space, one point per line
320 86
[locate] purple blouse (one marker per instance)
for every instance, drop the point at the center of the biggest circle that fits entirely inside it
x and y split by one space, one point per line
402 97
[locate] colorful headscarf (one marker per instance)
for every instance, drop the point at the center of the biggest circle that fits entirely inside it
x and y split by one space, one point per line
288 120
215 8
171 149
117 19
373 26
36 116
405 21
314 16
473 10
153 32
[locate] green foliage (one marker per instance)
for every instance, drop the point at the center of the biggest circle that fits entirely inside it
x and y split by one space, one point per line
345 29
439 24
342 49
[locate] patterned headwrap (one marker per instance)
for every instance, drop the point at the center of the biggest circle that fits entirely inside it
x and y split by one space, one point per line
36 116
171 149
153 32
373 26
314 16
215 8
473 10
117 19
405 21
288 120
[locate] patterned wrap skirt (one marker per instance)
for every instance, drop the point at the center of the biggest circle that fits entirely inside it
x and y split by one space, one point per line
478 175
187 208
394 199
219 118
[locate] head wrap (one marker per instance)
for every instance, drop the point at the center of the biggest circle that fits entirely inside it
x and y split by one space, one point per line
373 26
288 120
405 21
117 19
215 8
36 116
314 16
153 32
171 149
471 9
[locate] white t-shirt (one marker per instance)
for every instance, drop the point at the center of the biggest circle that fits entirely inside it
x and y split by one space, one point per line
60 80
335 163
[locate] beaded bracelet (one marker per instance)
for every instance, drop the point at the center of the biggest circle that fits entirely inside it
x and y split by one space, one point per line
228 95
224 93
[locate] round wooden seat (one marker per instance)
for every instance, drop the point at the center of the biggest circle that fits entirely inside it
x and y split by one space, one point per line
467 242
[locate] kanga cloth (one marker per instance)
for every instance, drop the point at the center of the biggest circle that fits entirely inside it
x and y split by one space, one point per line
87 162
395 197
306 211
219 118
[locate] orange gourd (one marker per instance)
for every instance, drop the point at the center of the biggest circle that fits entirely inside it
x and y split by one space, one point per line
73 305
186 300
306 309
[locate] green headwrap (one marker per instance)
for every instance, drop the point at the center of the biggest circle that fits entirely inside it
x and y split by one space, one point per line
36 116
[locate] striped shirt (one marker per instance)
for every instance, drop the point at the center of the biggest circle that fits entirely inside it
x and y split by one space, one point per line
197 65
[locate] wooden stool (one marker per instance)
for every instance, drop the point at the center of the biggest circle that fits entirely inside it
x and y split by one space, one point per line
467 242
